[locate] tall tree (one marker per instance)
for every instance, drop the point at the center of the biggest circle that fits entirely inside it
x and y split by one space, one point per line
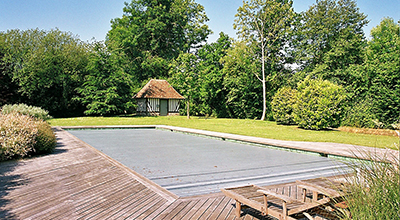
47 66
106 89
243 98
383 70
153 32
8 89
213 93
265 23
330 38
185 78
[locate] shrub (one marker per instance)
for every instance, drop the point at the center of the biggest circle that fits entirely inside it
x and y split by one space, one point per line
360 115
17 135
318 104
24 109
45 139
282 105
21 135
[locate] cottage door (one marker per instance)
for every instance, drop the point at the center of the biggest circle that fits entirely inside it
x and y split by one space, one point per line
163 107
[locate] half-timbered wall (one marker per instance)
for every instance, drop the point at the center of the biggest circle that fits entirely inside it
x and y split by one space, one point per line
153 105
141 105
173 105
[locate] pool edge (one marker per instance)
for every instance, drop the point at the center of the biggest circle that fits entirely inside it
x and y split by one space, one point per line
166 194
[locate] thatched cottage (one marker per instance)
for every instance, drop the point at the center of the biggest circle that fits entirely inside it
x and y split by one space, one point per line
158 97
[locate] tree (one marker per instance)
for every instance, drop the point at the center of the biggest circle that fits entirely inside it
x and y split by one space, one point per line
151 33
107 88
47 66
265 23
8 89
383 71
213 93
185 78
330 38
243 98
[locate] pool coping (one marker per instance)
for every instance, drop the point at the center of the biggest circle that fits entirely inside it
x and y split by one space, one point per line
325 149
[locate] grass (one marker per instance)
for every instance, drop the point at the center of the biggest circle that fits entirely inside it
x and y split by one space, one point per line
256 128
375 190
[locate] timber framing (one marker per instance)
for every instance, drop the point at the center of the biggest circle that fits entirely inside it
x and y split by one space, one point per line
158 97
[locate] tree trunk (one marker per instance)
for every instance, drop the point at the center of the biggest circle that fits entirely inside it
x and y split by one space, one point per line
187 109
263 82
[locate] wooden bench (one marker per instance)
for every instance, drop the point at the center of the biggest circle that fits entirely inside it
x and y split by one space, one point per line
277 205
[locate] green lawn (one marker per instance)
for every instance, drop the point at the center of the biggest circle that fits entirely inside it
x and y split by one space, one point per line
265 129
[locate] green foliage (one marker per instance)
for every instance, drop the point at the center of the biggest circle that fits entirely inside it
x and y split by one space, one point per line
24 109
383 71
185 79
22 135
106 89
8 88
166 39
244 92
318 104
265 24
212 90
45 139
151 33
282 105
359 114
329 37
47 66
374 189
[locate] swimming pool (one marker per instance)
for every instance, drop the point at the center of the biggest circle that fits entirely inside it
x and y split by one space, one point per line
193 165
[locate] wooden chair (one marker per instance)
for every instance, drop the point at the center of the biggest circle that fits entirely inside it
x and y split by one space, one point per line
277 205
322 187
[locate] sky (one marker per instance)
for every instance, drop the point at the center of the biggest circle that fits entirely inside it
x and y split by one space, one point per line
91 18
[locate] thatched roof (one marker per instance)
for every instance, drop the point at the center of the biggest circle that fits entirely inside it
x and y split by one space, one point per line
158 89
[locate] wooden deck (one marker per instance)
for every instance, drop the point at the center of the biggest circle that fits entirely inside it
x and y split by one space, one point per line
79 182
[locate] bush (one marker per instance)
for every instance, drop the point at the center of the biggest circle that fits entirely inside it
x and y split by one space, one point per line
17 135
360 115
24 109
318 104
45 139
21 135
282 106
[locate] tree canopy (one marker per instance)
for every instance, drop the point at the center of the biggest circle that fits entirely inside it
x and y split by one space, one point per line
47 66
330 38
151 33
383 71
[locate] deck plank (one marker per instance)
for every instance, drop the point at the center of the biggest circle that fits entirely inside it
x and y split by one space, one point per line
212 207
203 211
184 212
195 208
219 209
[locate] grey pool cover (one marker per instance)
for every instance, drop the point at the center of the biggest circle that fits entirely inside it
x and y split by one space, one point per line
192 165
